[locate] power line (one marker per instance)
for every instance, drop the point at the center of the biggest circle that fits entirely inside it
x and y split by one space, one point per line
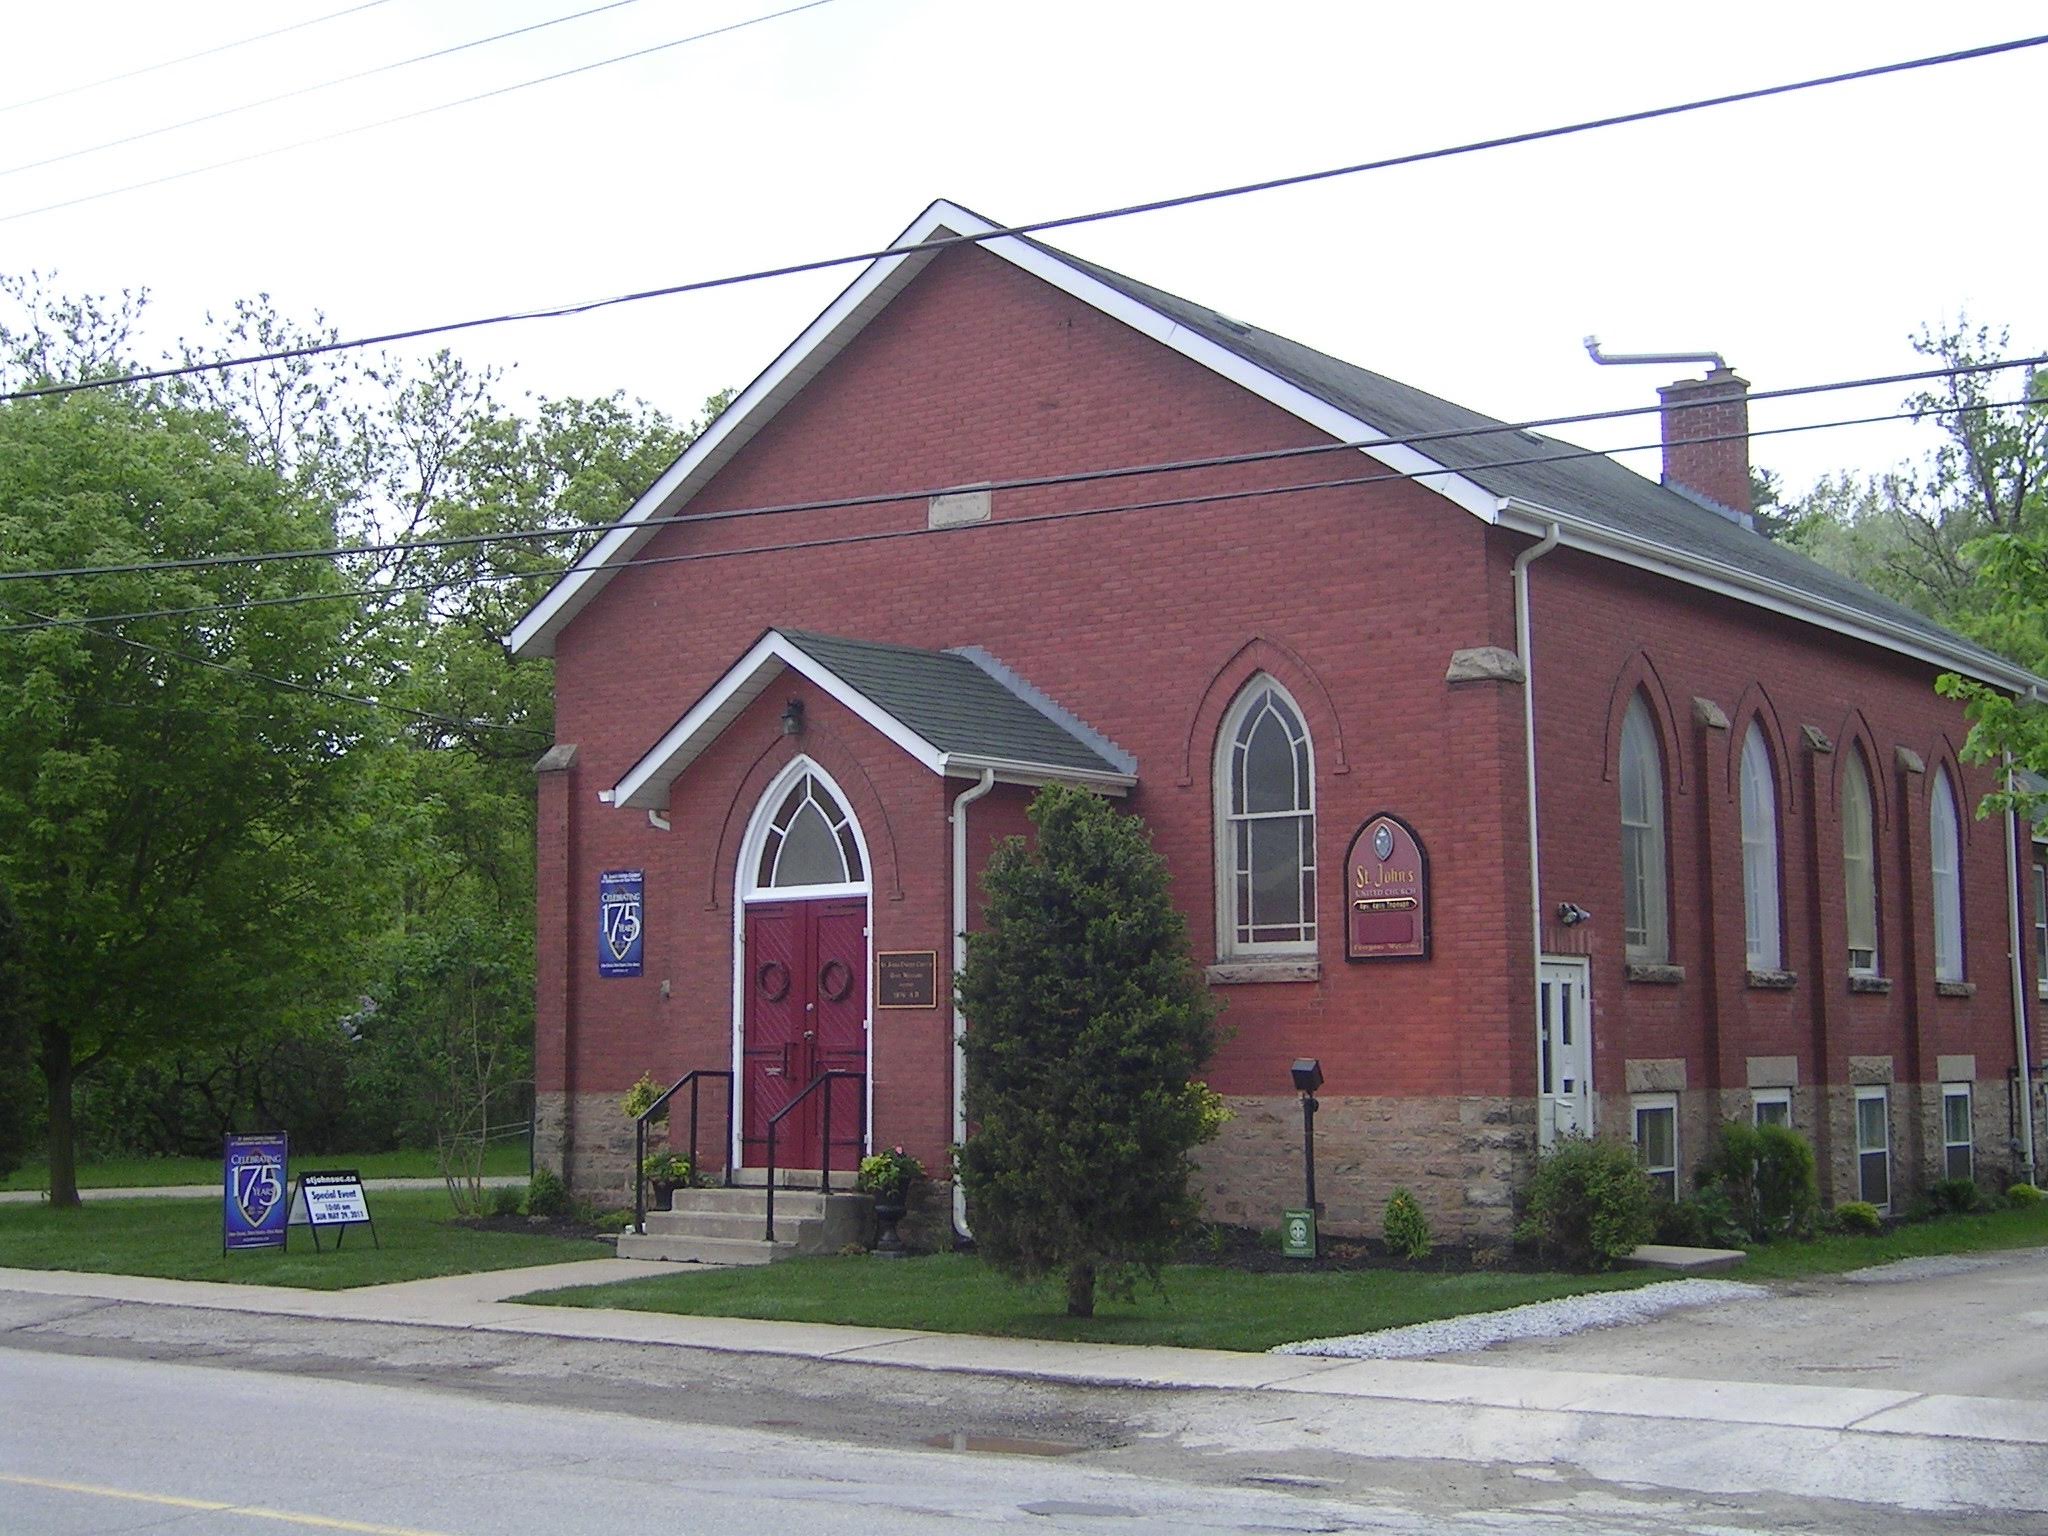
250 674
1128 210
310 90
1014 483
1207 498
187 58
386 122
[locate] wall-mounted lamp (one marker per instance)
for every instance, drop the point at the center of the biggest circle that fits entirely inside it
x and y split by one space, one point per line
1571 914
793 718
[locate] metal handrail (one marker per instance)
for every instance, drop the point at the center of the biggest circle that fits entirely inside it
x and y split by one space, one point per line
825 1173
688 1081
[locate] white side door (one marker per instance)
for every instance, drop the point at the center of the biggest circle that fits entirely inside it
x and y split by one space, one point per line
1564 1049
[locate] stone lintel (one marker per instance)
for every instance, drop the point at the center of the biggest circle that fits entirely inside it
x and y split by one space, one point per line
1774 981
1773 1071
1657 1075
1816 738
1240 973
1867 1070
1707 713
557 759
1485 664
1908 760
1956 1069
1654 973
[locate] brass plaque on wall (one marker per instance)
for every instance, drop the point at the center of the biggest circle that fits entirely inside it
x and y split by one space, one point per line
907 979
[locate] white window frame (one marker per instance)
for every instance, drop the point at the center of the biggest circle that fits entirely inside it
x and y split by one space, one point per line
1859 865
759 828
1953 1092
1228 944
1945 855
1760 1098
1642 1104
2040 929
1882 1095
1763 930
1645 889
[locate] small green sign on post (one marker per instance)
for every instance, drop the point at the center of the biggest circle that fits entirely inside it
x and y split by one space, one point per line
1298 1234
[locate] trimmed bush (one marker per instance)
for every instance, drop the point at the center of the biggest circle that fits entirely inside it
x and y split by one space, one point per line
547 1195
1706 1220
1405 1227
1589 1204
2023 1195
1858 1216
1765 1176
506 1199
1954 1197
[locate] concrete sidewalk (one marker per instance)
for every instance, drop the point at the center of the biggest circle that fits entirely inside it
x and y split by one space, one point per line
1870 1415
212 1191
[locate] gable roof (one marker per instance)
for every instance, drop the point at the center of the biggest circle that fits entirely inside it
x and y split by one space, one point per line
1596 504
958 712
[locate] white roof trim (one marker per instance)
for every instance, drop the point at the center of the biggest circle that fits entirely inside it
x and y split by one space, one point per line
828 335
646 784
1757 591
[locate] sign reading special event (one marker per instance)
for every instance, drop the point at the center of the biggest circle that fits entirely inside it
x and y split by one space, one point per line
621 922
1386 893
332 1198
252 1191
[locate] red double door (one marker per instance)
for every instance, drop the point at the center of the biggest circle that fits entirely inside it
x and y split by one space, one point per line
806 1013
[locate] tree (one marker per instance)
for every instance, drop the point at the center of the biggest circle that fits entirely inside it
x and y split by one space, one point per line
17 1034
1087 1025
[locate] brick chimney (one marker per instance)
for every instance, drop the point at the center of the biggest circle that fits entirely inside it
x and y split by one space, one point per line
1706 442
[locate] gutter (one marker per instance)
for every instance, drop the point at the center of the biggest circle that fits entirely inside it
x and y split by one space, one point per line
1524 643
2019 995
958 820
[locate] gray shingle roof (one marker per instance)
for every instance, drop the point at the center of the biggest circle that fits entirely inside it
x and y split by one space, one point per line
957 701
1591 487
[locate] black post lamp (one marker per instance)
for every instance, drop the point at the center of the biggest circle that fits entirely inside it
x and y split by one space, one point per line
1308 1077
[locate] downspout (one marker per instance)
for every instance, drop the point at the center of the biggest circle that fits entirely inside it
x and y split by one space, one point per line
2019 995
1523 644
958 820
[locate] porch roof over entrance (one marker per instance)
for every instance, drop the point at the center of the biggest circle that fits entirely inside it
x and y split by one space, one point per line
959 712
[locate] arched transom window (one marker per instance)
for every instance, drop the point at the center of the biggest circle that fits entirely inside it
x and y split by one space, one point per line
1944 841
810 841
1760 855
1859 865
1266 803
1646 926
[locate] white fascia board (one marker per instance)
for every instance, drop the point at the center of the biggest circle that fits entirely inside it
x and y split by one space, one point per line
964 765
646 784
1757 591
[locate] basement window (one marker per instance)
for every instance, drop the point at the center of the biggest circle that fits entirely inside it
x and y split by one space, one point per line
1657 1140
1958 1132
1874 1147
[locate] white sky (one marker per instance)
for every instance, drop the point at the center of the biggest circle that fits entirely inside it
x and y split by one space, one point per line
1804 239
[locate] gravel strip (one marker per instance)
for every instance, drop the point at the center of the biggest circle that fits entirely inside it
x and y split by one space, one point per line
1537 1320
1933 1267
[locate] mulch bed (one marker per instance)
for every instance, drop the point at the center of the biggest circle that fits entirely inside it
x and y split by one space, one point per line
1248 1249
538 1226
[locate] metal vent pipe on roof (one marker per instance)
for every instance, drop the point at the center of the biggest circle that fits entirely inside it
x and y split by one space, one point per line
1611 359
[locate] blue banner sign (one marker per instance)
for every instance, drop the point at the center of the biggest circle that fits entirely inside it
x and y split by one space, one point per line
254 1184
620 924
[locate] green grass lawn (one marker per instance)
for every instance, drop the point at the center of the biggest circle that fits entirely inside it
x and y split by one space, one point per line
1202 1307
504 1157
180 1240
1831 1255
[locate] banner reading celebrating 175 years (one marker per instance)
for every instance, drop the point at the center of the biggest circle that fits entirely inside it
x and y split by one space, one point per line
619 922
253 1189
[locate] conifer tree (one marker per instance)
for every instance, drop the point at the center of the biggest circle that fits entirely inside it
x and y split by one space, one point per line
1086 1026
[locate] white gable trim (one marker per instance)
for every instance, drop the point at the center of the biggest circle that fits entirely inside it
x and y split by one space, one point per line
828 335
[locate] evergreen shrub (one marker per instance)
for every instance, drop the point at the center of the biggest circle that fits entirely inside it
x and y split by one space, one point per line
1589 1204
1405 1227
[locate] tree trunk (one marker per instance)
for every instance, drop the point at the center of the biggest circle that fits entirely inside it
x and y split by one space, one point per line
1080 1290
56 1062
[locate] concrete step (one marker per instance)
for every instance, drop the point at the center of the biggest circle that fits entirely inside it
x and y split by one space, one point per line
744 1225
798 1204
1685 1261
702 1250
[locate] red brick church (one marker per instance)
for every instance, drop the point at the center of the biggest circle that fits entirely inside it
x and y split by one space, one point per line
1528 795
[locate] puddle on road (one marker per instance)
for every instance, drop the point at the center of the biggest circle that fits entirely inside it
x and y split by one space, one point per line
1001 1445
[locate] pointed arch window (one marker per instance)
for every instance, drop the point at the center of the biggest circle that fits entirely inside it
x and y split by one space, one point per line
1266 825
1945 844
1760 903
1646 925
1859 865
810 841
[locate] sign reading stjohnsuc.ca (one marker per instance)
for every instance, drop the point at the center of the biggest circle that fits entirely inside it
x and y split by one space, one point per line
1386 893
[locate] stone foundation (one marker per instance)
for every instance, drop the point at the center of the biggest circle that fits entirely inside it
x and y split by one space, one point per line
1463 1159
587 1140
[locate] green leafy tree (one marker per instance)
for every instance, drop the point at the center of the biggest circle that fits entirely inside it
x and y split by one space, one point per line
1087 1027
17 1050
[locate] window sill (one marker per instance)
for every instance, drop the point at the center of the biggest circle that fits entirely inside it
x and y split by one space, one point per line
1774 981
1243 973
1874 985
1655 973
1955 989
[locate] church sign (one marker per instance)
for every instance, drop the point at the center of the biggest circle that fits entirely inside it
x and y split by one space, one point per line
1386 893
